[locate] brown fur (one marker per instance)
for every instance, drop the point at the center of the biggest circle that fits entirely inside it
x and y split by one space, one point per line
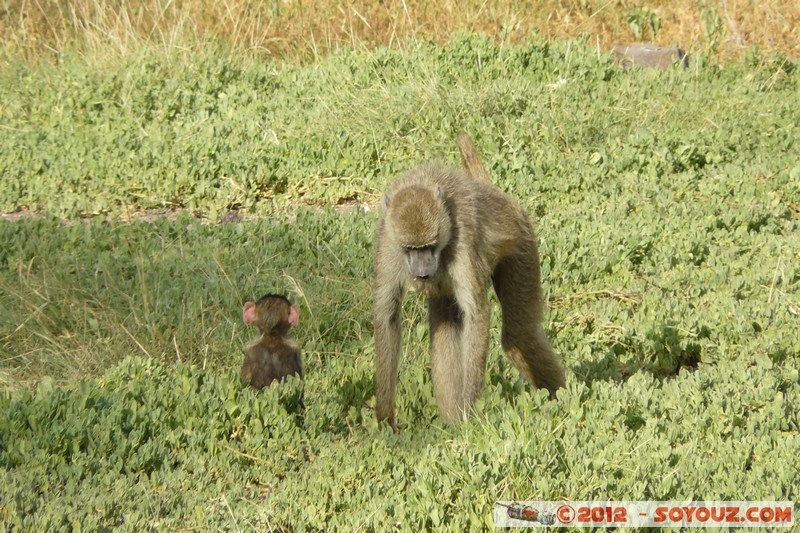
469 158
274 355
484 237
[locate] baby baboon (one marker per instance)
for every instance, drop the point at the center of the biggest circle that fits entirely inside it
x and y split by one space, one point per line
450 235
274 355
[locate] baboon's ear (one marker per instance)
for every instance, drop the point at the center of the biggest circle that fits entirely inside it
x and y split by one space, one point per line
440 194
294 315
386 201
249 313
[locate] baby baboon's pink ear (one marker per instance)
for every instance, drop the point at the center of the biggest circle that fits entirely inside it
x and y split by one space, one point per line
294 315
249 313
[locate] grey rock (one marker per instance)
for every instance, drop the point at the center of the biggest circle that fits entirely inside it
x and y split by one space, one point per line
649 56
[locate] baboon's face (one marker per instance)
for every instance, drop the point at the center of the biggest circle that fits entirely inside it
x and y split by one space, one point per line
422 262
418 222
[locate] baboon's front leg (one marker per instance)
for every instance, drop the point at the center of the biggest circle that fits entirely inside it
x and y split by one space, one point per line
387 323
475 347
446 356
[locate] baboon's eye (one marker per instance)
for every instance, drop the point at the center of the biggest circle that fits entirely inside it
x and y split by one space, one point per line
428 249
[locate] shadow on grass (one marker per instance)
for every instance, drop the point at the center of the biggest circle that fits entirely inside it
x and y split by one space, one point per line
663 351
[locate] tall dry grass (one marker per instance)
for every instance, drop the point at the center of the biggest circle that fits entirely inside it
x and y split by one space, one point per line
300 29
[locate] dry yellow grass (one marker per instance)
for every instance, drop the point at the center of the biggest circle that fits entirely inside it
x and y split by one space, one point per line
304 28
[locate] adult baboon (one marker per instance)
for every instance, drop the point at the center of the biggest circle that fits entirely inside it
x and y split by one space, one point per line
448 235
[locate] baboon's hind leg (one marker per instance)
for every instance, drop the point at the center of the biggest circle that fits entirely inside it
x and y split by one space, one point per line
516 282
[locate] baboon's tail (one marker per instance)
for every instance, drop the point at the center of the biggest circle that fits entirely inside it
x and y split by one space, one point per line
472 163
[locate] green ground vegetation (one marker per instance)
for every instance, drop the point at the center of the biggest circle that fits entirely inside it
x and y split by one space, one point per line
667 209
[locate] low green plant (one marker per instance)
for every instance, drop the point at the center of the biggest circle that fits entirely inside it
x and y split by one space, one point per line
666 208
641 19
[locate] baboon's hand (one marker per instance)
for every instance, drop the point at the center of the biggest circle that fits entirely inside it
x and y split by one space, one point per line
389 422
